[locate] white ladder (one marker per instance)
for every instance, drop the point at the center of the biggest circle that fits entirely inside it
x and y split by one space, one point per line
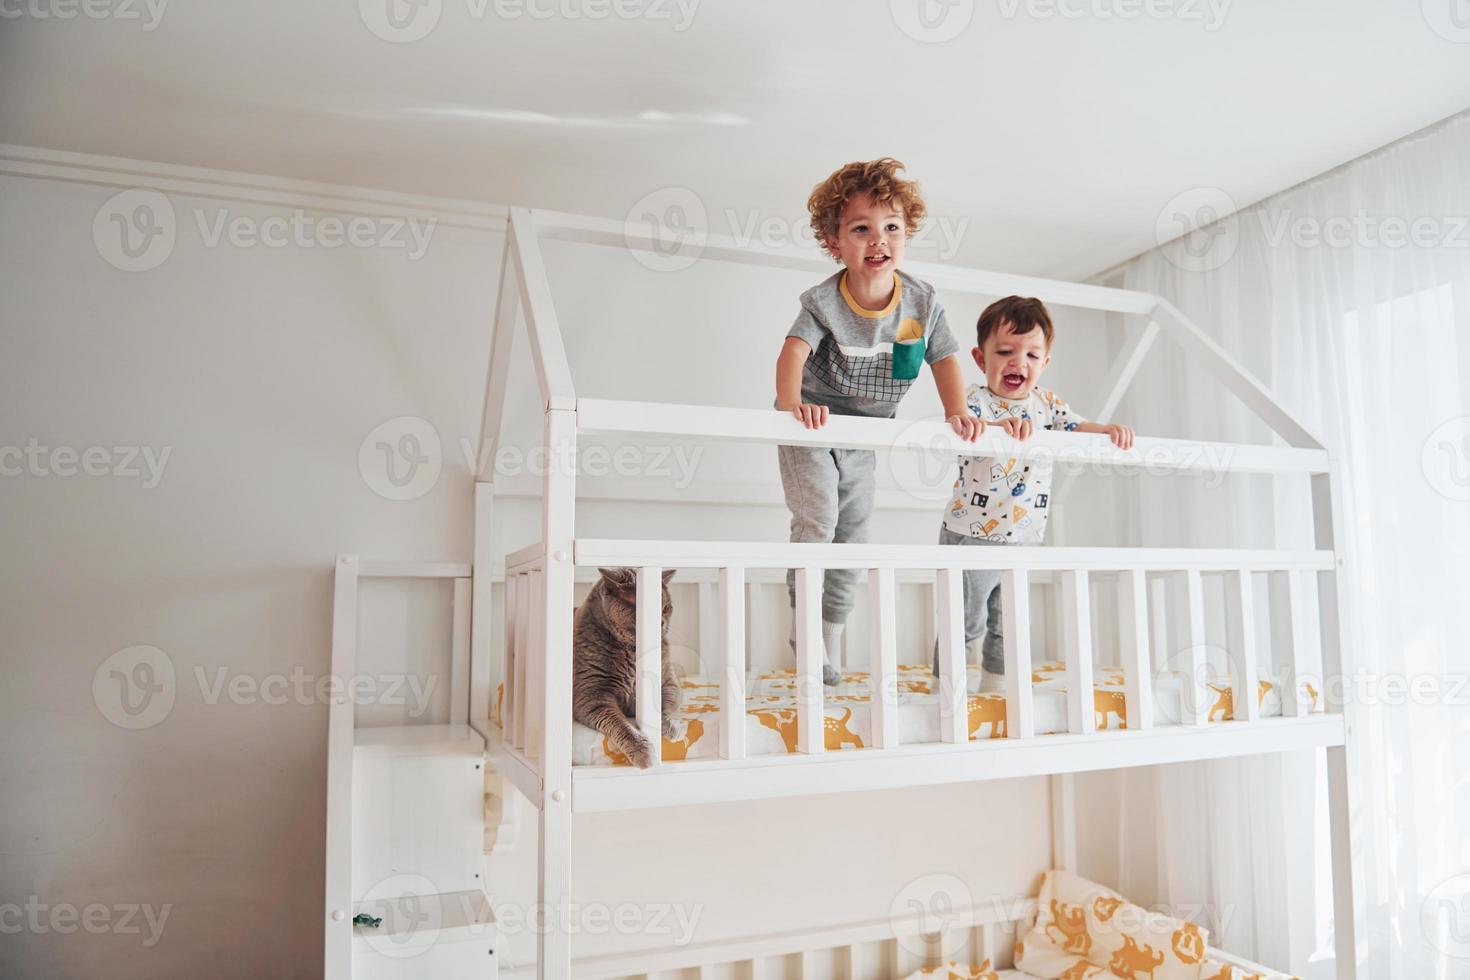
406 806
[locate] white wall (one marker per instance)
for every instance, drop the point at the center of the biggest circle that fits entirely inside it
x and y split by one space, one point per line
261 371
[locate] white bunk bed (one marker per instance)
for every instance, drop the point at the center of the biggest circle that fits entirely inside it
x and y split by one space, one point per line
523 724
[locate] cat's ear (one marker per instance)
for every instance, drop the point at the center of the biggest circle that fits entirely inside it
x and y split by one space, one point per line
668 575
622 582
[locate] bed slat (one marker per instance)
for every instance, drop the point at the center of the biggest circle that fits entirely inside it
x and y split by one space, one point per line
1194 701
1077 650
953 718
882 606
732 663
648 659
809 722
523 643
535 702
1295 701
1016 606
1240 608
1138 696
709 618
508 679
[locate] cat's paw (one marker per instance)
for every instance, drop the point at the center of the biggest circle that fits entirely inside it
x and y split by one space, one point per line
640 756
830 675
670 731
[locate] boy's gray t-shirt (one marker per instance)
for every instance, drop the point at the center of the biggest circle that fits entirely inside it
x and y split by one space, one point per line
850 369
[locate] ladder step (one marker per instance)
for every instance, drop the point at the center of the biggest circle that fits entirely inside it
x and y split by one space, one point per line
420 739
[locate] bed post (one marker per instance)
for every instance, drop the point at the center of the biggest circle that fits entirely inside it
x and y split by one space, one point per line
337 958
1329 527
554 945
554 608
1063 821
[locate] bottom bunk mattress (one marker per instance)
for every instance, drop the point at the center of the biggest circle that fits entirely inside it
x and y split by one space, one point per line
770 710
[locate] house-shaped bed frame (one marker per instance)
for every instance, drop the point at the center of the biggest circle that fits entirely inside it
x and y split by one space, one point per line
532 744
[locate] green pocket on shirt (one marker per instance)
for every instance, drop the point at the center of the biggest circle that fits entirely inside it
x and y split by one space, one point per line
907 356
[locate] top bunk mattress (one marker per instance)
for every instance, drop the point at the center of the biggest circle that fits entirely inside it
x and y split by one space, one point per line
770 710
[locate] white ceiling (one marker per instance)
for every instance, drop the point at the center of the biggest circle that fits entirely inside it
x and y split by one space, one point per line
1050 143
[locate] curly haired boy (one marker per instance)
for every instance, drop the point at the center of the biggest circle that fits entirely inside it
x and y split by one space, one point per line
855 349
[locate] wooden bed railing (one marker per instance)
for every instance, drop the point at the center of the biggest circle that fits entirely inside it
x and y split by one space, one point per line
893 946
526 664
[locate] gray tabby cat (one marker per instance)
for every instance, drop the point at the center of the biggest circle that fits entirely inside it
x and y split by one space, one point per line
604 657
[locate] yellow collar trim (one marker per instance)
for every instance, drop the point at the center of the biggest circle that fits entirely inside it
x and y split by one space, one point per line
852 304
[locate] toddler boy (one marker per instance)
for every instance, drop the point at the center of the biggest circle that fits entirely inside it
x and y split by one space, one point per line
855 349
1006 501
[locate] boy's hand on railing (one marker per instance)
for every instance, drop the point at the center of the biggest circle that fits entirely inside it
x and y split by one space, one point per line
1120 435
811 416
968 427
1016 428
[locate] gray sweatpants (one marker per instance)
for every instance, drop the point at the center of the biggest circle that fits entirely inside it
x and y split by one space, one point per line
830 495
982 607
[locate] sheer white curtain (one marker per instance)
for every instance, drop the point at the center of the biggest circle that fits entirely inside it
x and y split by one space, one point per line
1348 296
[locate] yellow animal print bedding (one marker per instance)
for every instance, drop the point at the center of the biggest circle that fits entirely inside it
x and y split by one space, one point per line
958 971
1084 931
1080 970
966 971
770 709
